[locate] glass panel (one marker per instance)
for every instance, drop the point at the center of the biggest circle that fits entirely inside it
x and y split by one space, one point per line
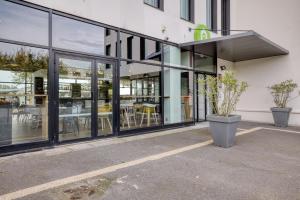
177 57
139 95
105 94
140 49
201 97
209 109
23 94
204 63
74 98
209 14
178 95
80 36
23 23
184 9
154 3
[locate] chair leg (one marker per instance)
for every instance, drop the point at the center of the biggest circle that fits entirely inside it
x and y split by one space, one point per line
155 116
102 124
107 119
142 119
134 120
127 119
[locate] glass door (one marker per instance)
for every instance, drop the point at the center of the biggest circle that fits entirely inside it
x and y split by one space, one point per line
85 97
202 104
104 98
201 98
74 97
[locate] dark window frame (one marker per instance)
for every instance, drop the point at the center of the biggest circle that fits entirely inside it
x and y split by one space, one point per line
108 53
129 48
225 17
107 32
160 5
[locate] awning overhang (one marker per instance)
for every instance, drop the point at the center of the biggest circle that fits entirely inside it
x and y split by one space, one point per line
238 47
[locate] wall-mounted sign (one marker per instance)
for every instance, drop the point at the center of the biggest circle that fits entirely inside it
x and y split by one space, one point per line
202 33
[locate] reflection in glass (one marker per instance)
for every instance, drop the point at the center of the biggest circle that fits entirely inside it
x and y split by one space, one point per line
23 94
178 95
105 93
74 98
23 24
201 97
80 36
174 56
202 109
204 63
140 96
140 49
209 109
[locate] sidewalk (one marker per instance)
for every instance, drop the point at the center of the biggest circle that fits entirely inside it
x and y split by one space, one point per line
265 164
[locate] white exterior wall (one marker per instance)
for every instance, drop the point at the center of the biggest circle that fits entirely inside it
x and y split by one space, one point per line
134 15
278 21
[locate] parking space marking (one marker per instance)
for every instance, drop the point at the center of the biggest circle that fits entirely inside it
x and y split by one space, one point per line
281 130
72 179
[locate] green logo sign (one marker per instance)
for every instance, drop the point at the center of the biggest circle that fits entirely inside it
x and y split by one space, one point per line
201 33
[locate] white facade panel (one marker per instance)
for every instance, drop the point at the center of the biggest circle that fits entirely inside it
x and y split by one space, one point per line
278 21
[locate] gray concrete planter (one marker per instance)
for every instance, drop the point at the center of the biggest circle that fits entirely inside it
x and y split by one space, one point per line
281 116
223 129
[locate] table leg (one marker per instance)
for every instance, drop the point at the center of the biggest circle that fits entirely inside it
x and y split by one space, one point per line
148 117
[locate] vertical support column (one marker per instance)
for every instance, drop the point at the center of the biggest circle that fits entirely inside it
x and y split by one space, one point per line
162 90
172 84
52 90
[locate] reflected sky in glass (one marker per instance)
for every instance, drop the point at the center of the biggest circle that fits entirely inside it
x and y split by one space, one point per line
78 36
12 49
23 24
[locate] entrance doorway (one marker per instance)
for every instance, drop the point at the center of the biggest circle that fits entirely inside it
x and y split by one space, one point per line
84 93
203 107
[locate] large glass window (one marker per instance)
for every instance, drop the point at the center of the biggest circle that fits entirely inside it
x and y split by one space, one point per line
80 36
140 96
140 49
174 56
23 23
211 14
178 95
186 9
23 94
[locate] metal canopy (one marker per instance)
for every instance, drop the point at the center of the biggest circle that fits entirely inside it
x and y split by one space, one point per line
238 47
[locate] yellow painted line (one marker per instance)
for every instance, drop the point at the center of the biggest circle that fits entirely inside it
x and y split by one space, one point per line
72 179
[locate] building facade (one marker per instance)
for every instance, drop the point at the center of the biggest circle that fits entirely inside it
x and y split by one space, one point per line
88 69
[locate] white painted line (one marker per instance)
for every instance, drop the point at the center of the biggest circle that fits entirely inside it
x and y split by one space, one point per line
281 130
64 181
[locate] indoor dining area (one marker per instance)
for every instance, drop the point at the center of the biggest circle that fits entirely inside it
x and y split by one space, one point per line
141 99
23 94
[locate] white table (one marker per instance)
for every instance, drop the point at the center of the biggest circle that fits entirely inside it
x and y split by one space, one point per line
102 115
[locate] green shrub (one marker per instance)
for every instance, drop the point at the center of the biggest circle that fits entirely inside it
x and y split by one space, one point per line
224 92
281 92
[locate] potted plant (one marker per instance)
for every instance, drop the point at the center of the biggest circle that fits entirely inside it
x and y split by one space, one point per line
281 93
223 94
